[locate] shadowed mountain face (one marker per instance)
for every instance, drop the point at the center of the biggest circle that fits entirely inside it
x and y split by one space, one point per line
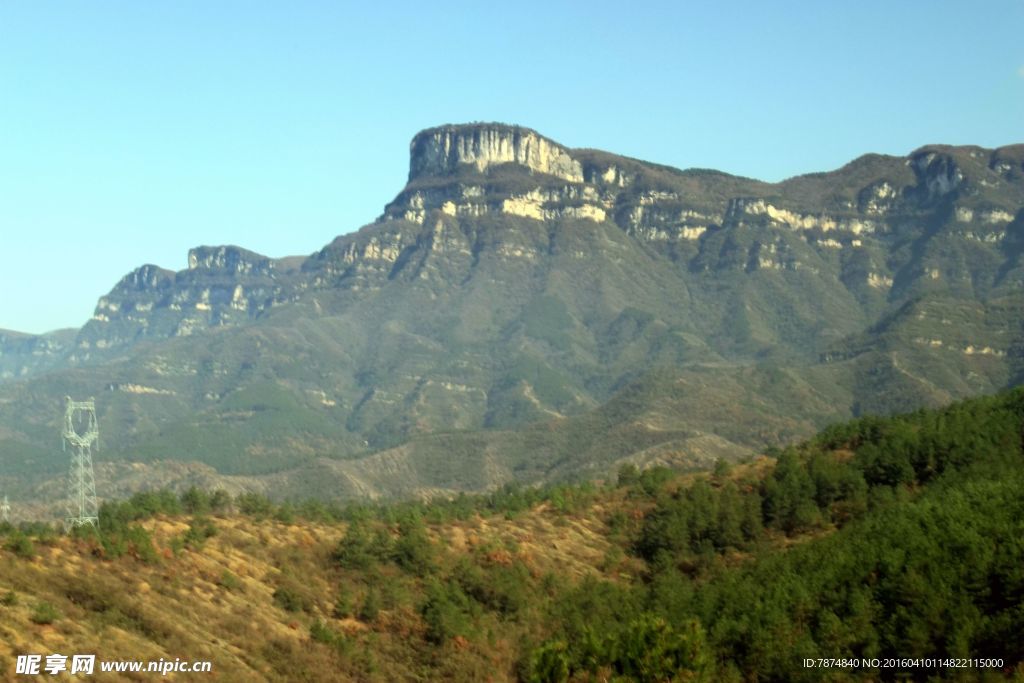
526 311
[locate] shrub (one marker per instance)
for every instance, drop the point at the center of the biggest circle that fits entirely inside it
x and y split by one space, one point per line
320 633
722 468
220 501
142 544
788 495
254 504
414 552
231 582
503 589
21 545
371 606
292 599
628 475
199 530
285 514
447 612
549 663
884 466
359 549
652 480
195 501
44 613
651 650
343 604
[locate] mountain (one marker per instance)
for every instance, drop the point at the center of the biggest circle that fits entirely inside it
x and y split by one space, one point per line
525 311
23 354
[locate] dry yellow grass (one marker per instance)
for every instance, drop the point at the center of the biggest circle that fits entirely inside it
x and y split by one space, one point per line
217 602
179 607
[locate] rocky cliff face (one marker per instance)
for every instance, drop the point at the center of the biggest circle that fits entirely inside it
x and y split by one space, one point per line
222 286
854 215
442 151
229 260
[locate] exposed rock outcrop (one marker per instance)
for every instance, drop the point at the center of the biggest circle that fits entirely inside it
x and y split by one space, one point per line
441 151
229 259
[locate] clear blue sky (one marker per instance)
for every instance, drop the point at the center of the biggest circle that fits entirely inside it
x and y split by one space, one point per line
132 131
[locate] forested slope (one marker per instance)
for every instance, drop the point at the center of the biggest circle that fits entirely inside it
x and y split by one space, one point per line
888 538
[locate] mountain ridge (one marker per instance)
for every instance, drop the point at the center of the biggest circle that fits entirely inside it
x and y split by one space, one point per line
496 308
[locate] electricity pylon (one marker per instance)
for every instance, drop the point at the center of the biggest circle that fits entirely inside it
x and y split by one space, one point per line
82 508
5 510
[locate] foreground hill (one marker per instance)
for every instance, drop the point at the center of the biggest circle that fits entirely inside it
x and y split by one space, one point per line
517 294
877 539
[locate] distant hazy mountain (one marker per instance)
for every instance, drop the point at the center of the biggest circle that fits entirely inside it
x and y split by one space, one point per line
526 311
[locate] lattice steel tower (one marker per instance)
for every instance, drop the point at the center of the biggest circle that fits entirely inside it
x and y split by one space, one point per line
82 508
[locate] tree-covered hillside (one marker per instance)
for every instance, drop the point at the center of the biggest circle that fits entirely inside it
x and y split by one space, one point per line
895 540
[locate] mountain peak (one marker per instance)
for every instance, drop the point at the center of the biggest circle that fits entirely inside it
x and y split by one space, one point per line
229 258
446 149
